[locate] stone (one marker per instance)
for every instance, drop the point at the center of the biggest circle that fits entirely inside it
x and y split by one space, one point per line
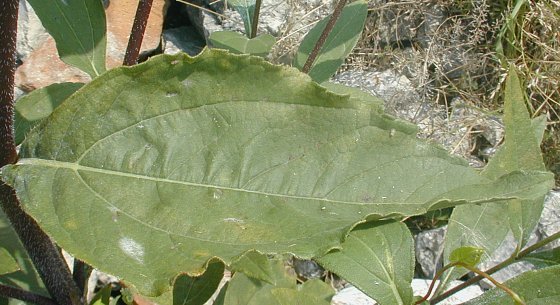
429 249
550 219
420 288
182 39
307 269
120 17
43 67
31 33
351 296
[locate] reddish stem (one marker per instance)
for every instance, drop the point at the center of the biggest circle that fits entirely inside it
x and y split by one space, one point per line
137 32
324 35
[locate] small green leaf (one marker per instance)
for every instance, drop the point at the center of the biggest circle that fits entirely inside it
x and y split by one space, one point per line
467 255
239 44
245 8
545 258
7 263
103 296
244 290
377 258
534 287
39 104
26 277
338 45
255 265
312 292
189 290
78 28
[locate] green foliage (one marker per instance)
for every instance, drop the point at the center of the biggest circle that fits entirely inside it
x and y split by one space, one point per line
189 290
147 160
239 44
39 104
255 265
243 290
534 287
467 255
78 28
377 258
245 8
338 45
7 263
179 167
544 258
486 226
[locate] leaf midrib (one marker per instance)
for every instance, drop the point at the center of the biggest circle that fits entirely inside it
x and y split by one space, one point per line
78 167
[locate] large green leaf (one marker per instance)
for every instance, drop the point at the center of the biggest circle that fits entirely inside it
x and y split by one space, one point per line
39 104
487 226
534 287
239 44
7 263
339 43
78 28
378 259
178 160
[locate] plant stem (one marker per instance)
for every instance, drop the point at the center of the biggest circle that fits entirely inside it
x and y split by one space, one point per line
513 295
323 38
45 255
255 21
26 296
137 32
8 30
496 268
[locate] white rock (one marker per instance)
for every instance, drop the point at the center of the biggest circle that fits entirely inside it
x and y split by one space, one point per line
31 32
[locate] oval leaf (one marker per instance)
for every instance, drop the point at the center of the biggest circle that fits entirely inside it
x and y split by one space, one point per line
78 28
339 43
467 255
179 160
378 259
239 44
39 104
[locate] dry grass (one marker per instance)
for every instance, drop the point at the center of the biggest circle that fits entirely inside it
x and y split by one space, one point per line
451 53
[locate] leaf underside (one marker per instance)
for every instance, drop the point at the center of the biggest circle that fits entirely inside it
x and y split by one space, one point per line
152 170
